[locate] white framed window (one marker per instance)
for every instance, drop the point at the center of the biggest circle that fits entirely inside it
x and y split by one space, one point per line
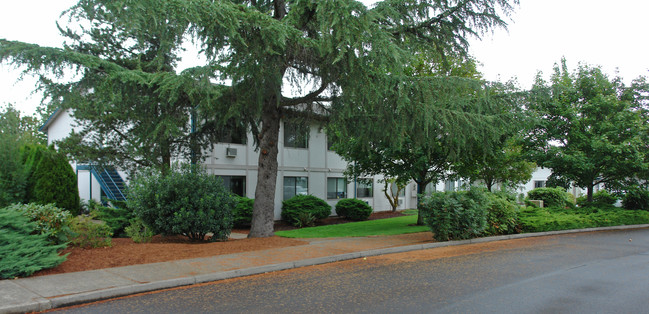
336 188
539 184
364 187
295 186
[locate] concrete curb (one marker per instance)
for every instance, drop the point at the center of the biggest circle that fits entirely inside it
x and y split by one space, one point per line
41 304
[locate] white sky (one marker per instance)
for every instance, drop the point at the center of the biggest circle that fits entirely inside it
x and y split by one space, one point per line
611 34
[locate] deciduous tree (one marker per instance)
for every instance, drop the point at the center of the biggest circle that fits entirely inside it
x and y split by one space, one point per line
592 129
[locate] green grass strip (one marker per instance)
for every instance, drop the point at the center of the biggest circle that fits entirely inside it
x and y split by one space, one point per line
388 226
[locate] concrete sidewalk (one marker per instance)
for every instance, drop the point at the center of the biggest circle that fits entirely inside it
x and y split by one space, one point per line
48 292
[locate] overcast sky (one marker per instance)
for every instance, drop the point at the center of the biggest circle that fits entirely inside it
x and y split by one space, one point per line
611 34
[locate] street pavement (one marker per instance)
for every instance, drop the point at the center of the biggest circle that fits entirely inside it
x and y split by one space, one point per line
48 292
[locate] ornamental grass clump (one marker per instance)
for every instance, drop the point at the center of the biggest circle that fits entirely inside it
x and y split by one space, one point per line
184 201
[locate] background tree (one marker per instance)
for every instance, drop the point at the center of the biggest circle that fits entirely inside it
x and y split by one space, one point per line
591 130
276 59
506 165
15 132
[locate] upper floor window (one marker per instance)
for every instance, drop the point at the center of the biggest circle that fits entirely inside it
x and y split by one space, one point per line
296 135
234 133
539 184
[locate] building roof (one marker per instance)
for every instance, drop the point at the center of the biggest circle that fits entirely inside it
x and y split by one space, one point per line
50 120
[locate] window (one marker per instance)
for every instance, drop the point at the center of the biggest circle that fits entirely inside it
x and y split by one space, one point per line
449 185
295 186
330 142
296 135
234 133
394 188
336 188
430 188
539 184
364 188
235 184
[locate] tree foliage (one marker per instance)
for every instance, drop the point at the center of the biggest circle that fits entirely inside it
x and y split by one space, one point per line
273 59
592 129
15 132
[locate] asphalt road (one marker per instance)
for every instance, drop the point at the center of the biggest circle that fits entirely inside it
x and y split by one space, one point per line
602 272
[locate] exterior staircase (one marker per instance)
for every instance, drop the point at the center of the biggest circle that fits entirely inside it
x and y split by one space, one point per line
110 181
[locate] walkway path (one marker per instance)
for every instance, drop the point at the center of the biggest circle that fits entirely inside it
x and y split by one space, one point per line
47 292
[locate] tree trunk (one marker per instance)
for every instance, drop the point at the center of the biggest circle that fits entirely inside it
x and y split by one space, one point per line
263 213
421 187
590 193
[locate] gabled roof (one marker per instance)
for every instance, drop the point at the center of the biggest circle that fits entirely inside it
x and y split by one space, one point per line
50 120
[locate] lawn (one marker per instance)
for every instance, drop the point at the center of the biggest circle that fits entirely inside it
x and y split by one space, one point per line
388 226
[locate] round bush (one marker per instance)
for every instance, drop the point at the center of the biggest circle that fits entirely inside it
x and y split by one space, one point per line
455 215
551 197
353 209
502 216
304 205
184 201
243 211
636 198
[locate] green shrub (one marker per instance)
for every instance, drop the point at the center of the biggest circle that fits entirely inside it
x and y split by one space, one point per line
49 220
185 201
292 208
502 216
549 219
305 219
600 198
243 211
53 181
138 231
636 198
455 215
353 209
116 218
23 250
90 233
551 197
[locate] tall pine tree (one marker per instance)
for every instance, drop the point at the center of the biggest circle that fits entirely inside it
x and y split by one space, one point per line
275 59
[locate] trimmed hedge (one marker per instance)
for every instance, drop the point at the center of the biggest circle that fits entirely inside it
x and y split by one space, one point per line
298 208
353 209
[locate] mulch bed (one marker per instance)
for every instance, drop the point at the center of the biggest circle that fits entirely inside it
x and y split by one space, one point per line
124 251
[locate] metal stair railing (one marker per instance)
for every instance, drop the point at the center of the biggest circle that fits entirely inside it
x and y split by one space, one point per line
111 187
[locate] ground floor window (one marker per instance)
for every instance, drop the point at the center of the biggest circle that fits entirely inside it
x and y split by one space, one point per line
336 188
364 188
235 184
449 185
295 186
